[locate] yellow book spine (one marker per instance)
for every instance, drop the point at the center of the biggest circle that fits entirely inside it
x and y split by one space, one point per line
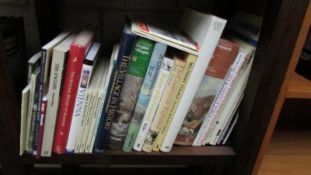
165 104
185 76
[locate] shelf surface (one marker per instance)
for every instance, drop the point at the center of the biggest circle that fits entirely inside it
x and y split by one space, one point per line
179 155
299 87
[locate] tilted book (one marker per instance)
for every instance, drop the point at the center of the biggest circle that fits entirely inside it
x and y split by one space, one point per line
190 61
33 64
77 52
144 95
86 73
224 55
159 87
59 59
136 71
23 125
41 126
205 29
165 103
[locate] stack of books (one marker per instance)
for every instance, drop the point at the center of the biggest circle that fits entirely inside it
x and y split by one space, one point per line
159 87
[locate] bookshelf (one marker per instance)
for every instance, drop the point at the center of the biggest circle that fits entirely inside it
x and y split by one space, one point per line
276 46
293 85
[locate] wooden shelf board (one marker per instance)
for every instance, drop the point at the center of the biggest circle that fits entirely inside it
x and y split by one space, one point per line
299 87
178 155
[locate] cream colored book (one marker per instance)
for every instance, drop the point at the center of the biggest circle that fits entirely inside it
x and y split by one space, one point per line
165 103
159 87
180 90
24 109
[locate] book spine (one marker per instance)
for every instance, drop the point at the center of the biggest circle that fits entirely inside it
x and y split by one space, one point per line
23 124
128 97
160 84
144 95
33 94
69 92
205 54
41 127
56 78
40 96
185 76
98 143
230 106
221 97
116 83
165 104
86 73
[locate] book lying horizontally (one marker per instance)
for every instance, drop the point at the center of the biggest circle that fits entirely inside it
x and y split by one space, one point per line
170 37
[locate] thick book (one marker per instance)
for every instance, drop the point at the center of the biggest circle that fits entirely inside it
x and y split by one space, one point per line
59 60
46 56
165 103
23 123
77 52
136 71
100 123
206 29
190 61
116 82
159 87
86 73
170 37
144 95
41 126
224 55
33 64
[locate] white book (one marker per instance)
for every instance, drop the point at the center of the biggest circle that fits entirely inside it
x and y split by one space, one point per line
246 51
86 73
230 105
206 30
112 62
23 124
170 37
159 86
31 109
33 64
101 92
56 77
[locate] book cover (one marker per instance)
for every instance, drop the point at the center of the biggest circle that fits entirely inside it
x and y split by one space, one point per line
116 82
86 73
159 87
223 57
77 52
190 61
59 60
144 95
136 71
166 102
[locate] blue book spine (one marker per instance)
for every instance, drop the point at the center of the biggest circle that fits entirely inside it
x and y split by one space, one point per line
39 101
115 85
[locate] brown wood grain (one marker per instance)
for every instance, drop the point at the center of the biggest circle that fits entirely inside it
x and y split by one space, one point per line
298 87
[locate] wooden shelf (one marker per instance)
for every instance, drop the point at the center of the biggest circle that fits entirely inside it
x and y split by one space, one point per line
179 155
299 87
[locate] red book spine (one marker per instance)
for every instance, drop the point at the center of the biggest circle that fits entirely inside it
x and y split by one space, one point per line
69 92
41 127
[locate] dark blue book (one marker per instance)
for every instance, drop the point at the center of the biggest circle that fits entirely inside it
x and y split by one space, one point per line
112 101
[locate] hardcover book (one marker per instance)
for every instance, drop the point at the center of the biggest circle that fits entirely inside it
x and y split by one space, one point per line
136 71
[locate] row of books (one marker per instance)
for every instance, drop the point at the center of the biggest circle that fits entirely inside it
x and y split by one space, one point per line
151 94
